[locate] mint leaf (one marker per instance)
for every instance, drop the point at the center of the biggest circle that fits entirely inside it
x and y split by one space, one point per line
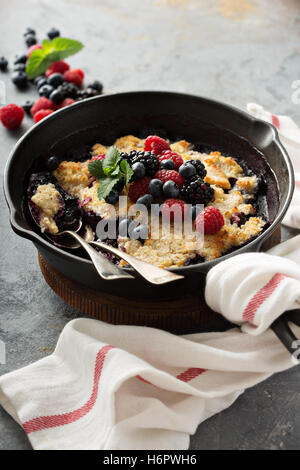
52 51
96 169
37 63
116 172
111 159
126 170
105 186
66 47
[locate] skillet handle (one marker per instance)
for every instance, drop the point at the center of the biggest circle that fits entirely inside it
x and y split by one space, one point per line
284 333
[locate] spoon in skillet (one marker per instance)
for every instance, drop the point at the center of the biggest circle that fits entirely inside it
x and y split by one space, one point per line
71 239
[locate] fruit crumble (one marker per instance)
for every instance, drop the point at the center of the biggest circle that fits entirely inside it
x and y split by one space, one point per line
152 171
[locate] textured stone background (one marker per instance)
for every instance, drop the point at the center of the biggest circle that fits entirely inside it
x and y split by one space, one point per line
232 50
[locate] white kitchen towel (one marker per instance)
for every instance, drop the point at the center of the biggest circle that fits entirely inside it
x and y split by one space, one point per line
289 134
127 387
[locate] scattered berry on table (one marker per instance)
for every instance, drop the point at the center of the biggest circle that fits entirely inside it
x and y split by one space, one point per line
69 90
148 159
52 163
56 79
38 78
29 31
166 175
96 85
101 156
20 59
30 40
56 96
46 90
155 187
42 114
113 197
27 106
200 168
156 144
167 165
195 191
33 48
11 116
19 67
41 82
210 221
3 64
139 188
139 171
87 93
175 157
59 66
187 170
53 33
66 102
74 76
19 79
170 189
173 208
42 103
146 200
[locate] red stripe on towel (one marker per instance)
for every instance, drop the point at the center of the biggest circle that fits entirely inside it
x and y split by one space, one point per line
261 296
45 422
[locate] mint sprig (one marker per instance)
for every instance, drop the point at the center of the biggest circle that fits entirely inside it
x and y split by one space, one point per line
52 51
109 171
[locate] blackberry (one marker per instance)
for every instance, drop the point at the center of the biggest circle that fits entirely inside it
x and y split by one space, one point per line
195 191
69 90
53 33
148 159
200 168
96 85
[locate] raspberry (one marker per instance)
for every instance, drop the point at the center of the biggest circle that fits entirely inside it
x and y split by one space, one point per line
156 144
33 48
173 207
210 220
167 175
101 156
169 155
42 114
139 188
59 66
66 102
11 116
74 76
42 103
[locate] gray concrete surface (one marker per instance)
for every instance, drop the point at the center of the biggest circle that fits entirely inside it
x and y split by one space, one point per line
235 51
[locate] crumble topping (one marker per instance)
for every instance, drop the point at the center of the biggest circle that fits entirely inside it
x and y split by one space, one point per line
49 202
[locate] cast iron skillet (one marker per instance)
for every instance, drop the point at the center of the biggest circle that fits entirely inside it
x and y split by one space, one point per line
208 124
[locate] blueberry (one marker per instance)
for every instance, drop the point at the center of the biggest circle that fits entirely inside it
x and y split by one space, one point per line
170 189
167 165
146 200
19 67
27 107
20 59
46 90
38 78
124 227
96 85
187 170
139 232
29 31
19 79
56 79
30 40
155 187
52 163
113 197
41 82
139 171
53 33
56 96
3 64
